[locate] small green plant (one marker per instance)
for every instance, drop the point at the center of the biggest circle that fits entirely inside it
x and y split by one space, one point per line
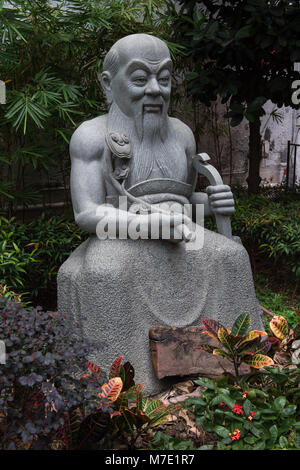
134 414
164 441
246 419
236 344
10 295
276 381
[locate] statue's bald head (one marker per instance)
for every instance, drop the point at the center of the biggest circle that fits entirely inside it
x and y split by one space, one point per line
136 79
135 45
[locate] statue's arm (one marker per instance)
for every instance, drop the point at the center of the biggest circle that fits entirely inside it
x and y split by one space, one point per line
88 191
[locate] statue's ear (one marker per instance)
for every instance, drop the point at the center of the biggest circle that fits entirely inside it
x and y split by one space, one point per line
105 80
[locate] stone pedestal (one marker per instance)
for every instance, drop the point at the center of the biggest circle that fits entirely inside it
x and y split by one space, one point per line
118 289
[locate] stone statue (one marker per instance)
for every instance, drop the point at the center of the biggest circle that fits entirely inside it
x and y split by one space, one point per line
119 288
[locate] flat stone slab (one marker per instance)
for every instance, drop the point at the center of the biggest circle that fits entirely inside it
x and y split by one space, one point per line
173 353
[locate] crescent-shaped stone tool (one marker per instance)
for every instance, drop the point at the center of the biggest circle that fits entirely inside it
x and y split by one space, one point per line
201 165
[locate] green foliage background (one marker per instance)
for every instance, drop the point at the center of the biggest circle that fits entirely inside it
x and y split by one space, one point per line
50 57
31 253
244 52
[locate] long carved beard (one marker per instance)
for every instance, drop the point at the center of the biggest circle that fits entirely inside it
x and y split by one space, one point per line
150 135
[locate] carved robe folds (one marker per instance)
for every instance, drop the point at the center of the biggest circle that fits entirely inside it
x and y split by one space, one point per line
119 289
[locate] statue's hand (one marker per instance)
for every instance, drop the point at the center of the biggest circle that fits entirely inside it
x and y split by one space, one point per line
171 227
220 199
181 228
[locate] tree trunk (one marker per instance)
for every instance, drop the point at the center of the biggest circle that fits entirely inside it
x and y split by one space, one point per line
255 155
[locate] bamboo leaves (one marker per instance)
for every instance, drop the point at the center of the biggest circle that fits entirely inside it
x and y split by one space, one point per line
43 98
21 108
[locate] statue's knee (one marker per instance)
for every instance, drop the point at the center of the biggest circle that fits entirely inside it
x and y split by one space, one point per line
230 250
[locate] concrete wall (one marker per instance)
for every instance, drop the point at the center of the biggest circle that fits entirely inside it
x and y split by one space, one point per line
275 138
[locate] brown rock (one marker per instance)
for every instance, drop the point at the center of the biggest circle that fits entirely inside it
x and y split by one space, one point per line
173 353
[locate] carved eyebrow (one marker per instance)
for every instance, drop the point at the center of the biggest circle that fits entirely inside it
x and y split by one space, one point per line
138 64
166 64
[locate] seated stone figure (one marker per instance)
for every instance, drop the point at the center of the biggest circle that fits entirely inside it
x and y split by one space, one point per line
119 288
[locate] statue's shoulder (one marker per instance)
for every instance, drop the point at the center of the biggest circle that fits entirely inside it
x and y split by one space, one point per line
185 134
88 141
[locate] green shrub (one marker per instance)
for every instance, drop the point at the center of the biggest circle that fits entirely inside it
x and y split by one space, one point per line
279 303
273 226
248 419
269 225
31 254
42 379
164 441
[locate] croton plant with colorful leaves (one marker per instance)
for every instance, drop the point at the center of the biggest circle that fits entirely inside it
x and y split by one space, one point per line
135 413
256 348
122 410
285 340
238 345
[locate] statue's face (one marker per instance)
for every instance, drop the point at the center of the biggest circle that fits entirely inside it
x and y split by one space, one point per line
142 85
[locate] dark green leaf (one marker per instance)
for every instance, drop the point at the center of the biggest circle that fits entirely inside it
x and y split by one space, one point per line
221 431
241 325
283 442
244 32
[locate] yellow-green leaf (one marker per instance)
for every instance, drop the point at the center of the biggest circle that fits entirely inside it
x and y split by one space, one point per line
258 361
253 334
220 352
279 327
224 338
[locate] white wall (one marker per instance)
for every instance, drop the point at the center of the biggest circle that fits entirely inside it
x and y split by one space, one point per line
276 136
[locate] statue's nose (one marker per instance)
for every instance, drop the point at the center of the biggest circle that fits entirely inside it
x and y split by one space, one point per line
152 87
